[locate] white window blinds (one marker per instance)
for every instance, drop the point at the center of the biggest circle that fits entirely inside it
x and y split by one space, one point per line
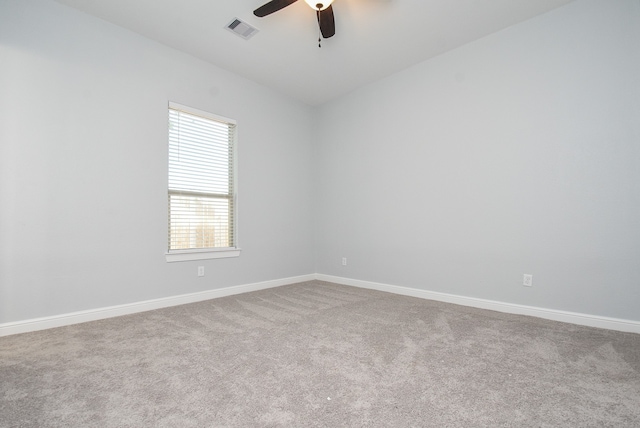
201 180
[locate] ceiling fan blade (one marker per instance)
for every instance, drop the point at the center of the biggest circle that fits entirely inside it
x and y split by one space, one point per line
272 6
327 22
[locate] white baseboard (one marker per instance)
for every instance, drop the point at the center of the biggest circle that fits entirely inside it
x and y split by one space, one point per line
550 314
148 305
36 324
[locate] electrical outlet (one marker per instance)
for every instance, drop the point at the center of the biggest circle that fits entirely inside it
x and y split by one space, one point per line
344 261
527 280
200 270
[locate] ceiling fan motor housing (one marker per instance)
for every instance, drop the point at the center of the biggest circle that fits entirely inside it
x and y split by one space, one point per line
319 5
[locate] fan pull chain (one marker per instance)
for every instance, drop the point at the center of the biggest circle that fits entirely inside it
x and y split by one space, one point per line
319 27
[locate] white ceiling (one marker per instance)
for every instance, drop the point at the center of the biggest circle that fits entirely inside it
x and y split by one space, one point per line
374 38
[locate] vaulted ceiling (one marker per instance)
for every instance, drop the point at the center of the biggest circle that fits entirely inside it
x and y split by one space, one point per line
374 38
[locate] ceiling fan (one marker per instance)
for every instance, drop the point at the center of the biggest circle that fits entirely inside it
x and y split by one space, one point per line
323 9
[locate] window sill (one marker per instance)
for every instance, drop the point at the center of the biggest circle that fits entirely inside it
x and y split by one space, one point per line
187 255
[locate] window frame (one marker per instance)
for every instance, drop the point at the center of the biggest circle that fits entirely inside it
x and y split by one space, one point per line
178 255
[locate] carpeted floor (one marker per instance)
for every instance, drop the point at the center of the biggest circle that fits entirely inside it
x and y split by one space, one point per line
320 355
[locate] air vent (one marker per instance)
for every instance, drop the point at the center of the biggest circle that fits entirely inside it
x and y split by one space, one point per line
241 28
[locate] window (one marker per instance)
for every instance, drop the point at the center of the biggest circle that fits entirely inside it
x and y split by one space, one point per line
201 187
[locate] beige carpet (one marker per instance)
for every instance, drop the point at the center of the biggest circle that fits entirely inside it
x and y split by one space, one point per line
320 355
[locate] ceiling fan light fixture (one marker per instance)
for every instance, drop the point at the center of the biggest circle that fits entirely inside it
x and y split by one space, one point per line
319 4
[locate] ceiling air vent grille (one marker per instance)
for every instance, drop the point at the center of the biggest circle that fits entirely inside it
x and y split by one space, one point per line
241 28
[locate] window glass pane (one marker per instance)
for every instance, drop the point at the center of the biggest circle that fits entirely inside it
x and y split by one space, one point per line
199 222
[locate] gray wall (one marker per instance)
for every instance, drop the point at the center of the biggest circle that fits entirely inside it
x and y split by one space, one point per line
83 167
518 153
